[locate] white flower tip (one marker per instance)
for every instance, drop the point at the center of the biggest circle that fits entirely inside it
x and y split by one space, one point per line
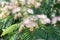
30 11
41 16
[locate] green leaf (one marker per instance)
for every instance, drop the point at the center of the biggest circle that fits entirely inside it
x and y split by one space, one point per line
7 21
26 36
12 36
38 33
9 29
4 0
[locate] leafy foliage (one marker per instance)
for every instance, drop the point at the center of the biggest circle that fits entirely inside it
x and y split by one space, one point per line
9 29
25 15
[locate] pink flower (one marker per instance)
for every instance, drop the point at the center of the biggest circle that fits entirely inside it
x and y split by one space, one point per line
26 21
43 18
54 20
37 4
23 2
40 0
45 21
7 7
30 11
29 23
58 18
17 9
21 28
34 18
30 2
14 1
19 15
3 3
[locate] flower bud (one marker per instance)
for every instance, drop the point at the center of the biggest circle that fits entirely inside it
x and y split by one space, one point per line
19 15
21 28
31 29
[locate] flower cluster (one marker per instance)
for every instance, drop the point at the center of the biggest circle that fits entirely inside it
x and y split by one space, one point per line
55 19
19 8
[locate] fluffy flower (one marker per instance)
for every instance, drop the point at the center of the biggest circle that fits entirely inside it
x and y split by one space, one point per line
43 19
29 23
58 18
6 7
33 18
21 28
26 21
17 9
37 4
42 16
40 0
23 2
19 15
3 3
15 17
30 11
30 2
54 20
4 13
